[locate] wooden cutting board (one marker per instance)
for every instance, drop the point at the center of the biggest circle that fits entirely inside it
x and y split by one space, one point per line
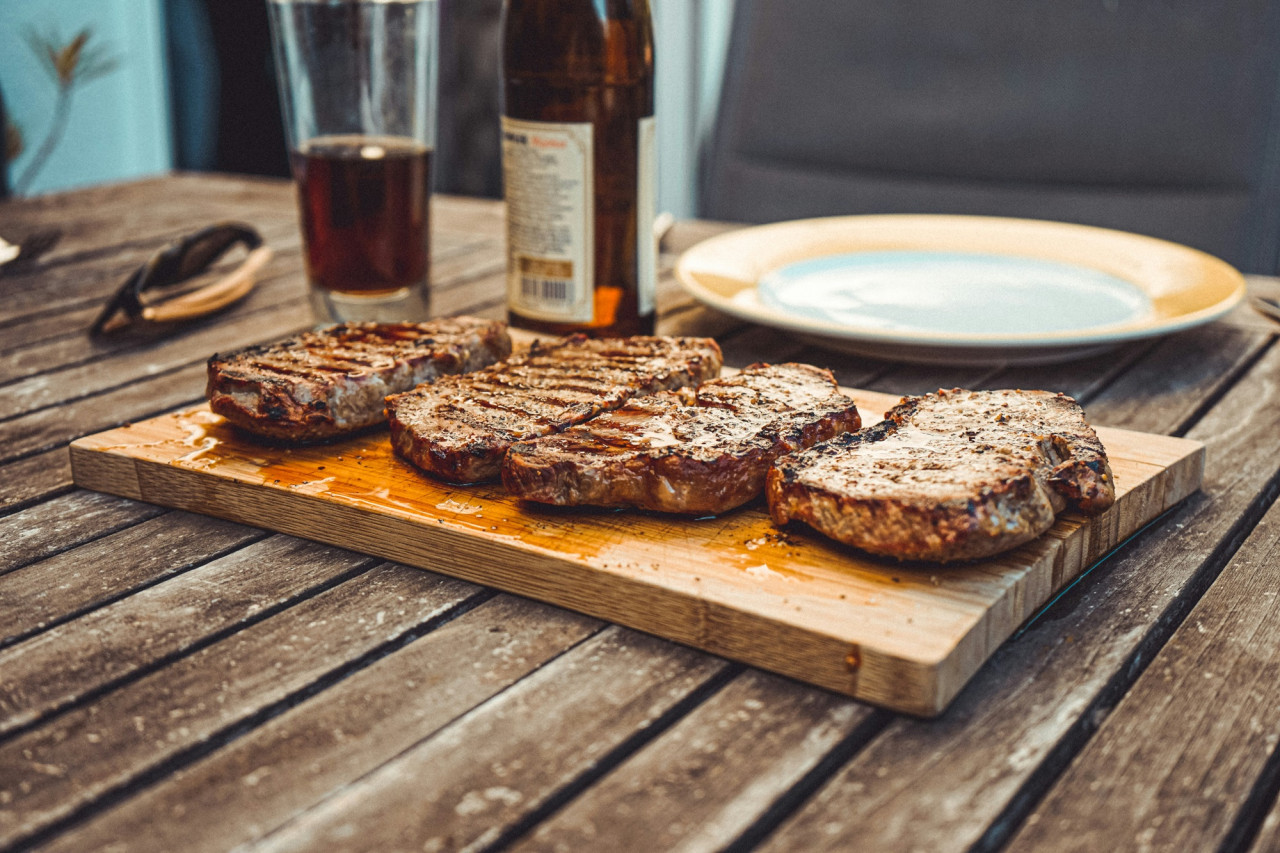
788 600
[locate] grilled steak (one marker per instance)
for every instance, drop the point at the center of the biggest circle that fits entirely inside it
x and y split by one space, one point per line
319 385
460 428
954 475
701 457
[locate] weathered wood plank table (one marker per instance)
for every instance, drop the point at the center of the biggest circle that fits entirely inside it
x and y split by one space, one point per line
173 681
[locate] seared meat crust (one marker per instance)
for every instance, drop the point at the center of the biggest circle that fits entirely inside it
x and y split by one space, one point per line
954 475
323 384
459 428
703 456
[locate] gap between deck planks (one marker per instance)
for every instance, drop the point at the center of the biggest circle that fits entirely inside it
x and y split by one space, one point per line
543 733
258 782
1189 787
83 757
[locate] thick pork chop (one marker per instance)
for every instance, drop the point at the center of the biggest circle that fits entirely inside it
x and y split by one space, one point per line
667 453
953 475
459 428
323 384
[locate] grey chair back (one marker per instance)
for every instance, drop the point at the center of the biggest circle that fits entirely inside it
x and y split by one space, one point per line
1153 116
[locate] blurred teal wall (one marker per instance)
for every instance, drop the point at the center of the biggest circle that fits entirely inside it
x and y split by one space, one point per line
118 124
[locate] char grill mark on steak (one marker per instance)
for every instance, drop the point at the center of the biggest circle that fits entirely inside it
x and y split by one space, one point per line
572 389
486 413
324 384
700 454
953 475
460 428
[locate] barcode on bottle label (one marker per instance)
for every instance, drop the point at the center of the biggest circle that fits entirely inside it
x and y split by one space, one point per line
545 283
545 289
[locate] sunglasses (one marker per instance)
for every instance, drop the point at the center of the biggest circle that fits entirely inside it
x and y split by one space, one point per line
179 262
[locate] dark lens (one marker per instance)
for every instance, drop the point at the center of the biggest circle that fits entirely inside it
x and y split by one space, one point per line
196 253
205 248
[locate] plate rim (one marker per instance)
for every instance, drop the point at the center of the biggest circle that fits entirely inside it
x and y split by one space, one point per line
1213 270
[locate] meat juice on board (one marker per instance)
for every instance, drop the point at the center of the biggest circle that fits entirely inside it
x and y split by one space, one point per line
578 151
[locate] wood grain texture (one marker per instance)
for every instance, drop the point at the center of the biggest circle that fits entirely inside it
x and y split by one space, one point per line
1084 379
44 326
93 377
744 347
34 478
311 752
52 428
507 758
58 342
1246 316
61 384
55 668
49 773
150 211
111 214
1171 769
704 782
102 245
484 296
85 577
789 601
63 523
696 325
1183 373
77 283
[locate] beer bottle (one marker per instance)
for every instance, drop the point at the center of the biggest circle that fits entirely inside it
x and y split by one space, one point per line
578 165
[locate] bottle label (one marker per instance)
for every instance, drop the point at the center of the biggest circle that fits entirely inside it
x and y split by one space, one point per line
547 170
646 213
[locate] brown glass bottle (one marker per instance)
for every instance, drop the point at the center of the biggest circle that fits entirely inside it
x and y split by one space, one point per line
578 139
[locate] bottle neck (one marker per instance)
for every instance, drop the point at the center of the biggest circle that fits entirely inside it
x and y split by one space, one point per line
597 42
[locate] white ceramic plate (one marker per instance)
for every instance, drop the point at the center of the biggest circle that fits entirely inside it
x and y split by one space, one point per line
959 289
